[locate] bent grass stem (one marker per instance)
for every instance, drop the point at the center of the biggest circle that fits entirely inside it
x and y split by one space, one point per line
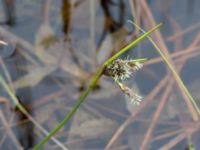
92 84
173 70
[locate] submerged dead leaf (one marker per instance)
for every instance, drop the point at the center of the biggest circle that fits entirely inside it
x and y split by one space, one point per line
32 78
3 100
41 113
88 126
94 128
45 35
111 43
57 54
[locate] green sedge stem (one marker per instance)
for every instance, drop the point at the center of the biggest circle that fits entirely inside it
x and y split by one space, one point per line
23 110
92 84
171 67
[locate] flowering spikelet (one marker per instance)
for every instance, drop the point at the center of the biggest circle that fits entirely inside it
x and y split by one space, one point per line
121 69
130 94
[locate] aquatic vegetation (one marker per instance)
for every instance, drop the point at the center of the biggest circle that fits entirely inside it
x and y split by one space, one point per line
92 84
57 54
121 70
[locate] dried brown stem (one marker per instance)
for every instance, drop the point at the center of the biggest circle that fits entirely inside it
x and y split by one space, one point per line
160 41
179 138
131 118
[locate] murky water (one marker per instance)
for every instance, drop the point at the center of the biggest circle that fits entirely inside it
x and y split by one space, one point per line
54 48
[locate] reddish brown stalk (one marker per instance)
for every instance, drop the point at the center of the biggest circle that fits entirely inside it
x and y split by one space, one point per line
126 123
149 20
194 54
178 42
176 55
136 13
156 116
122 147
160 108
184 31
158 111
193 47
166 135
162 122
8 131
131 118
179 138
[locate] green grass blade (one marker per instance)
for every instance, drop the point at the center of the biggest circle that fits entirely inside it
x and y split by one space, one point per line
172 70
133 43
91 85
24 111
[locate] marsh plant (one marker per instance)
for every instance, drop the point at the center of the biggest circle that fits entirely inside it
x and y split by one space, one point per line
120 70
117 69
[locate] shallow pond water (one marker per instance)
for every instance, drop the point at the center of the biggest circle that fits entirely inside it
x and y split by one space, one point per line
55 47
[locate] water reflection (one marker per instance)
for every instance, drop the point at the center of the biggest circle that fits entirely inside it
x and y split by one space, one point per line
9 12
51 57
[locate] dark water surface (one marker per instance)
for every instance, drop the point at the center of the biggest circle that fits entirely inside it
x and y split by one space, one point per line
54 48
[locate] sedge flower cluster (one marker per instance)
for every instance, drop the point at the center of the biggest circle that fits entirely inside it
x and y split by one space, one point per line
121 70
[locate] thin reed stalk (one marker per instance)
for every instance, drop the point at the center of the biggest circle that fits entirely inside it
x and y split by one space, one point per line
91 85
